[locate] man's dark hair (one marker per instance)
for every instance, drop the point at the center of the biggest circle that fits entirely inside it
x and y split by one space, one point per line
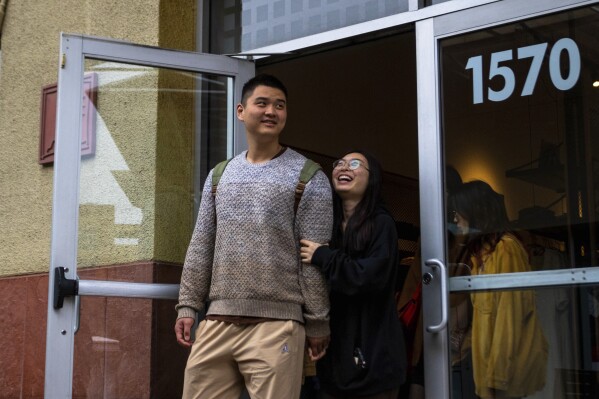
261 80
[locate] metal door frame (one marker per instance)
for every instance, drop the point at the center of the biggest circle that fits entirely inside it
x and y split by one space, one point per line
431 166
432 24
74 49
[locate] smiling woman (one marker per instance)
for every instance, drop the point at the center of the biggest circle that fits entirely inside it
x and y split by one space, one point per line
366 356
350 181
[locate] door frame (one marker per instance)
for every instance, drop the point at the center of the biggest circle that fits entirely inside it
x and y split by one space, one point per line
431 176
74 49
432 24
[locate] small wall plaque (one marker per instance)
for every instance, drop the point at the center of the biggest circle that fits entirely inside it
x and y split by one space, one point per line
48 120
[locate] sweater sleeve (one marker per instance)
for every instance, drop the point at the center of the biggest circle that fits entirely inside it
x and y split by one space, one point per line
197 269
369 273
314 222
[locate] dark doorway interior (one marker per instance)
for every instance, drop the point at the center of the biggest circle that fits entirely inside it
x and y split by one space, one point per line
360 96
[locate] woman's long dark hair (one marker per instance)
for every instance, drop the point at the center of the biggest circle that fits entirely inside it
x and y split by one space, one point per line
484 209
358 230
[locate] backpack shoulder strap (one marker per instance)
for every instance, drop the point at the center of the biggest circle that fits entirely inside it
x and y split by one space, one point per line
308 171
219 169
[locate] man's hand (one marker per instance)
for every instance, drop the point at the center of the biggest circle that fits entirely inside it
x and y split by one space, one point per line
183 331
317 346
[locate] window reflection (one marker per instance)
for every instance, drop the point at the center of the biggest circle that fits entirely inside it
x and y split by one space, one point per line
263 23
521 113
520 122
158 133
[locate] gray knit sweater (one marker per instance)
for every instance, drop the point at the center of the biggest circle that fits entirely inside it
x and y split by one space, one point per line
244 258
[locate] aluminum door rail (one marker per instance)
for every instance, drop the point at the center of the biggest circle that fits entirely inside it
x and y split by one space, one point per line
128 290
524 280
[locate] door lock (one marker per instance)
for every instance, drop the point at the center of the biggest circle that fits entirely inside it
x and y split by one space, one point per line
427 278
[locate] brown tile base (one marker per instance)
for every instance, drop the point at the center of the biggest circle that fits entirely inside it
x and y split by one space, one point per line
125 347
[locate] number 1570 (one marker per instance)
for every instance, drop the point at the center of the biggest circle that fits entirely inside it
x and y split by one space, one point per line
537 53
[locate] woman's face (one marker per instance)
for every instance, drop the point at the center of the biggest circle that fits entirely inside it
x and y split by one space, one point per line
461 222
350 176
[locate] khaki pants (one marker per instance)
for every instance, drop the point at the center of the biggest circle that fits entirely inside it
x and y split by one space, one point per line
266 357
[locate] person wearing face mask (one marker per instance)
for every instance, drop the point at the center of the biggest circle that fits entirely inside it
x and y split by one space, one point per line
509 350
366 357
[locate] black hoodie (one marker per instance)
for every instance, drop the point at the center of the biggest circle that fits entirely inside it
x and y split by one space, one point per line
364 322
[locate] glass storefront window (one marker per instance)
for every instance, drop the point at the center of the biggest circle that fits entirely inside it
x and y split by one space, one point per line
117 358
558 355
157 132
520 120
243 25
521 113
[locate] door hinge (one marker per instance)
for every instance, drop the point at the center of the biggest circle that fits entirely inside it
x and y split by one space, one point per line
63 60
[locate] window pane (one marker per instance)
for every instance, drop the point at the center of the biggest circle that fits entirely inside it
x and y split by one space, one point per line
261 23
521 114
156 134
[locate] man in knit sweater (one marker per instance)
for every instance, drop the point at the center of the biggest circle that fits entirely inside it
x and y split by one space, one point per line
243 259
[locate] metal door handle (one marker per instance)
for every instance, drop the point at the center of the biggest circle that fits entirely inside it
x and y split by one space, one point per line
63 287
437 264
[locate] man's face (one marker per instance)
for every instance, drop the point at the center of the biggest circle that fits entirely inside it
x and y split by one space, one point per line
264 113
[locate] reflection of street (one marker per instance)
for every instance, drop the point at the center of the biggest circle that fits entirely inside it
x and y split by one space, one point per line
103 344
99 186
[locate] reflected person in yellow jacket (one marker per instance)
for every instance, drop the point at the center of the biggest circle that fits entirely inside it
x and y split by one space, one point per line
509 350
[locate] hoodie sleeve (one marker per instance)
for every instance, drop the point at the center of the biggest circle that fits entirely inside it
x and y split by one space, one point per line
368 273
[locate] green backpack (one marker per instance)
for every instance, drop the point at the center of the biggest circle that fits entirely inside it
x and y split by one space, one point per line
308 171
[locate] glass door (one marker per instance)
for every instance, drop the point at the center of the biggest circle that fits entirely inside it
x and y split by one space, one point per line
154 121
510 276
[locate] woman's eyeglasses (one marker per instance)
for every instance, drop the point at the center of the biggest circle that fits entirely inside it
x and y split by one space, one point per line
352 164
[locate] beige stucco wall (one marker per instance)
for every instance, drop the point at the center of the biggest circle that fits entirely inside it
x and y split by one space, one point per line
175 138
30 47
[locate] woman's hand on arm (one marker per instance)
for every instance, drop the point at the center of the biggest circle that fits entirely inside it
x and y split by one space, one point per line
307 250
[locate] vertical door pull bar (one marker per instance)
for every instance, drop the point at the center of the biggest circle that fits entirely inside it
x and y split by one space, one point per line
440 268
